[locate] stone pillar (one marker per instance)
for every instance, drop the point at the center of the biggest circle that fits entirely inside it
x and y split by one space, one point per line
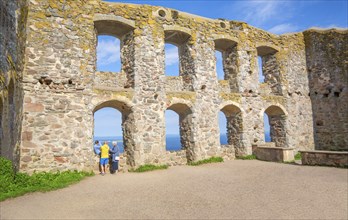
235 129
278 130
149 95
186 133
230 66
248 77
271 72
127 58
205 110
296 90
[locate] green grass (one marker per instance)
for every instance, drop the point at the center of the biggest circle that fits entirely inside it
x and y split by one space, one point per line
210 160
148 167
16 184
298 156
247 157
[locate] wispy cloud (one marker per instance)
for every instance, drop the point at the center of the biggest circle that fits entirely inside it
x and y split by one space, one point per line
108 51
283 28
172 56
259 12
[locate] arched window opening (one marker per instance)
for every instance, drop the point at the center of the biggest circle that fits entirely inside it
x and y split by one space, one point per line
219 66
108 54
277 125
115 50
223 128
261 76
178 56
114 120
108 126
171 60
268 68
185 128
173 139
227 69
234 125
267 127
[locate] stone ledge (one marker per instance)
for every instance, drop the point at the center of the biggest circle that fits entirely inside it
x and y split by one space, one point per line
324 152
325 158
113 89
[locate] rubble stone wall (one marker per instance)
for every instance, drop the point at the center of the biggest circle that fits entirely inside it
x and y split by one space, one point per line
63 89
13 16
327 64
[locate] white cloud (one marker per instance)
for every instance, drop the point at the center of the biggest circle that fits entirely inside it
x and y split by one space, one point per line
283 28
108 51
258 12
172 56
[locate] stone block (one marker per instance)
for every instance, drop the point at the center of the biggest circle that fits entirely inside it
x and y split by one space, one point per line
33 107
275 154
27 135
325 158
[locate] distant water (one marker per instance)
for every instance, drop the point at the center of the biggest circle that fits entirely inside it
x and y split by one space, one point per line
267 137
119 140
172 141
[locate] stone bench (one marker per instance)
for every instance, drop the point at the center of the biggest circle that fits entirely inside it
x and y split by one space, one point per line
268 152
325 158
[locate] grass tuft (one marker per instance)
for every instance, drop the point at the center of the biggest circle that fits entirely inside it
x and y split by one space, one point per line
247 157
210 160
148 167
16 184
298 156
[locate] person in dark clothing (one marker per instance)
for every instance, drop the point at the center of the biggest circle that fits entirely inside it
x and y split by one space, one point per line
114 157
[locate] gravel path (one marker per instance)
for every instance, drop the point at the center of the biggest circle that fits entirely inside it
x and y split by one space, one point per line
230 190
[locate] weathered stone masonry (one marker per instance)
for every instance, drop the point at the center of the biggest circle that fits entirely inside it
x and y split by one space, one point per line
62 88
13 15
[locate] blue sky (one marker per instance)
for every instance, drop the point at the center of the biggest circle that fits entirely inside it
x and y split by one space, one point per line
278 17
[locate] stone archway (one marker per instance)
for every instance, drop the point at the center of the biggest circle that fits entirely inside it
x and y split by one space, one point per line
234 125
186 128
127 126
277 121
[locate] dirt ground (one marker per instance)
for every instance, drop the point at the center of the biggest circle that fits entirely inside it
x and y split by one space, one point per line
230 190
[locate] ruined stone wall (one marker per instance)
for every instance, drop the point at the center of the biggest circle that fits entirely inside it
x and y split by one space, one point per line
299 119
13 15
63 90
327 63
60 65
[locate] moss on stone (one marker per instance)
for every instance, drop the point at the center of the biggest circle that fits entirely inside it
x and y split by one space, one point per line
236 97
127 94
274 99
182 95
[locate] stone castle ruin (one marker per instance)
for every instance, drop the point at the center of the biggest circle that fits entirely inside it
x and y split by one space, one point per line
50 88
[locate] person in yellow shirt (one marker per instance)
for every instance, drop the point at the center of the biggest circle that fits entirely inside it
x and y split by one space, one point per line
104 157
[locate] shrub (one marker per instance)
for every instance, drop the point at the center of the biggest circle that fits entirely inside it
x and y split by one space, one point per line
298 156
210 160
16 184
148 167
